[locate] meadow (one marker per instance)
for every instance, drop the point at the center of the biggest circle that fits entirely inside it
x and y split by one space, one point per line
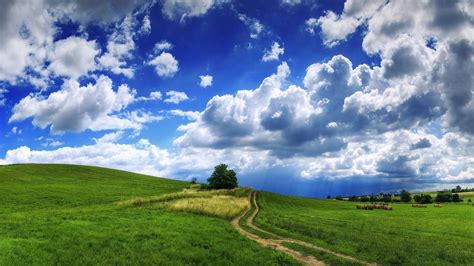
79 215
71 215
406 235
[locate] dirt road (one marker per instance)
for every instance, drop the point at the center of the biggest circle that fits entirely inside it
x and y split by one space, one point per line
276 241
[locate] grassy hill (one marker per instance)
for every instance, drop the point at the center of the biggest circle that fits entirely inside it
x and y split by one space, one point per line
69 215
404 236
79 215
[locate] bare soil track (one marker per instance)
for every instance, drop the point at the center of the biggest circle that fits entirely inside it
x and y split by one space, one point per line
276 241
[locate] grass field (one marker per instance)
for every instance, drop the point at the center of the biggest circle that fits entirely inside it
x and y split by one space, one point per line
466 196
70 215
406 235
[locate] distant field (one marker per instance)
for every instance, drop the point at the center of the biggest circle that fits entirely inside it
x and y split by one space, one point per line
406 235
69 215
467 195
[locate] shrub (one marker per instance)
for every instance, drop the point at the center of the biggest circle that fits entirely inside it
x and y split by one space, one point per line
469 200
456 198
423 199
222 178
444 196
426 199
387 198
405 196
353 198
364 199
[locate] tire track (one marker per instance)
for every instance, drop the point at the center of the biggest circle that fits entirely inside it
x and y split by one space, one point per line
276 243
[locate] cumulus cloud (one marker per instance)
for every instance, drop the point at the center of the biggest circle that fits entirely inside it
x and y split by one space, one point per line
175 97
335 28
274 53
87 12
206 81
165 65
28 29
73 57
19 50
76 108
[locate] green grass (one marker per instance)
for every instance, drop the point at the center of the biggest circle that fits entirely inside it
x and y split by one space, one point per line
68 215
328 259
406 235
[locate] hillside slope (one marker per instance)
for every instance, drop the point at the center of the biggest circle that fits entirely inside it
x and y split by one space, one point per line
65 214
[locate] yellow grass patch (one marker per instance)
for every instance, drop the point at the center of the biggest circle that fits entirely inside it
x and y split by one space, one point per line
226 203
220 205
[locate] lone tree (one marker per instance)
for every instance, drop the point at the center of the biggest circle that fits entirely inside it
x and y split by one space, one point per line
222 178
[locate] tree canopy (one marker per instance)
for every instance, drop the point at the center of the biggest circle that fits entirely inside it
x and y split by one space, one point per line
222 178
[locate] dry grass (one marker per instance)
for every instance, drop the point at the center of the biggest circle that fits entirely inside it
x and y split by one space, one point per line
225 203
220 205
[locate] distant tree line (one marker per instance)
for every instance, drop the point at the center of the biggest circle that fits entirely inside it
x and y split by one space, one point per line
405 196
458 189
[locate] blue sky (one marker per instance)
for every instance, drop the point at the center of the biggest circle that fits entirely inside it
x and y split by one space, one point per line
300 97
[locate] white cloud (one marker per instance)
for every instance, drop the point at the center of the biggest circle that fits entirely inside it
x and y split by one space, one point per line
52 143
180 10
102 12
120 45
73 57
163 46
28 31
274 53
175 97
190 115
145 29
76 108
291 2
110 137
311 24
3 99
254 25
16 130
335 28
165 65
156 95
206 81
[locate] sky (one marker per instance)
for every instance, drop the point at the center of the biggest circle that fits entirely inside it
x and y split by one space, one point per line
300 97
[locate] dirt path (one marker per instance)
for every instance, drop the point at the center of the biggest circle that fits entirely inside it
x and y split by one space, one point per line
276 243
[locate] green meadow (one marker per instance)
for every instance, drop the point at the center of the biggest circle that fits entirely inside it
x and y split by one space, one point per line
71 215
79 215
404 236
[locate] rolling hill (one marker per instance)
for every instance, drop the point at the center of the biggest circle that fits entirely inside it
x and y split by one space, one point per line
68 215
81 215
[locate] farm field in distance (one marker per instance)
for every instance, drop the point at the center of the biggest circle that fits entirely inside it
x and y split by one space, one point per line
404 236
